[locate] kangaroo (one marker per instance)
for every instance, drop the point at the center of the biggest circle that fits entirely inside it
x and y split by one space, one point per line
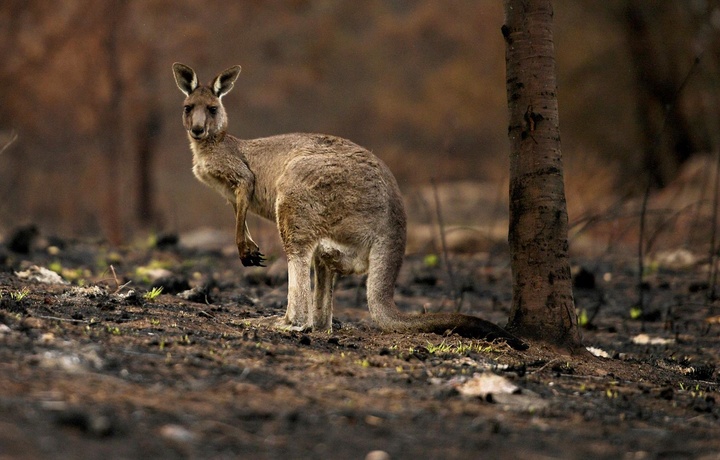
337 207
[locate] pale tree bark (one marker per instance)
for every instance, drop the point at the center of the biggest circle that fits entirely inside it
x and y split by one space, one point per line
542 307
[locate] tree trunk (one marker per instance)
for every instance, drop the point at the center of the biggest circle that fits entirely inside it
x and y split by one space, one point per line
147 139
542 306
148 129
111 126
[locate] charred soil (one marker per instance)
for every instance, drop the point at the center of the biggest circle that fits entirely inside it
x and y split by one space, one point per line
106 367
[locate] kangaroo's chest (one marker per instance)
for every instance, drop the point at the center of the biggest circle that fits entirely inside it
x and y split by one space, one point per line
232 178
214 179
221 175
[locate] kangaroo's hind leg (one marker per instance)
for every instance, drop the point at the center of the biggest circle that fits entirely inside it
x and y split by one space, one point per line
321 313
299 246
297 316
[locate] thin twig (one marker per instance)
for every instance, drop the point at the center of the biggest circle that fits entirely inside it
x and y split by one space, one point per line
641 255
427 213
118 287
545 366
453 291
112 270
57 318
13 138
695 220
666 118
671 106
214 319
665 223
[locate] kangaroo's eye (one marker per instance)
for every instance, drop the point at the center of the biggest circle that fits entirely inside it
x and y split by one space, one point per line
187 108
212 109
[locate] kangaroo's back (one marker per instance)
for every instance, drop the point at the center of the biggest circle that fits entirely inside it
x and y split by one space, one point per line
334 178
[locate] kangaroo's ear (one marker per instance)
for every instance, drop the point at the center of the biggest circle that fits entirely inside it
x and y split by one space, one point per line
224 82
185 78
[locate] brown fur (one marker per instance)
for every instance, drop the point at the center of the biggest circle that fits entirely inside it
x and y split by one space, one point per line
337 207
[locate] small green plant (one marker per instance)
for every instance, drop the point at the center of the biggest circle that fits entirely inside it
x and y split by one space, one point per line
151 241
442 347
459 348
697 392
431 260
463 348
74 275
19 295
487 349
154 321
146 273
651 268
583 320
114 330
636 312
78 275
152 294
56 266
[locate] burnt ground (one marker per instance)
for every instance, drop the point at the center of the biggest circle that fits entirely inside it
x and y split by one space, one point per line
99 369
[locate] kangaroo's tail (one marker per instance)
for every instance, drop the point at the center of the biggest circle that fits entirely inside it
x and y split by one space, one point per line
441 323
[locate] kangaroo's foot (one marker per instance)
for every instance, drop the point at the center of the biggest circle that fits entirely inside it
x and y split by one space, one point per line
296 324
276 322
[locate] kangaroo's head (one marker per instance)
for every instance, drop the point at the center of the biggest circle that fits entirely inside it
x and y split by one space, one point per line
204 116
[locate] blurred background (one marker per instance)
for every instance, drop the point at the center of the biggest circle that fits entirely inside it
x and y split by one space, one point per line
86 90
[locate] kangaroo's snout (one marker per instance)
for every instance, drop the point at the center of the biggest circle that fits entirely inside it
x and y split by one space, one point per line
197 132
196 121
